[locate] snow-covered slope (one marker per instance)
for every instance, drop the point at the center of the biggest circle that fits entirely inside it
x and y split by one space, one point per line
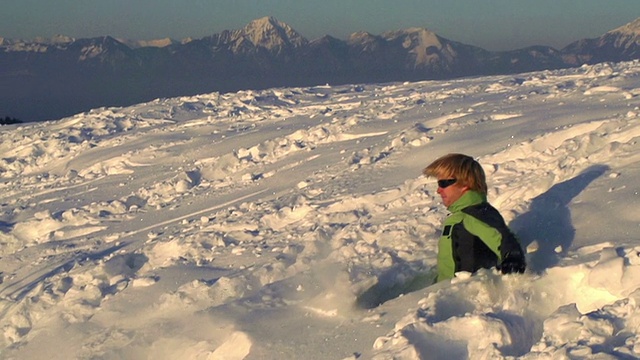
248 225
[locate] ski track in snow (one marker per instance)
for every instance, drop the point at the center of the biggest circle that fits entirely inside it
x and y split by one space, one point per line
244 225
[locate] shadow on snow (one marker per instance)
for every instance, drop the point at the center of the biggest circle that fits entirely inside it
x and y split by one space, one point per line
548 221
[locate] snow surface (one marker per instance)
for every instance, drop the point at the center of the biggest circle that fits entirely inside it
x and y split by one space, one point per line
248 225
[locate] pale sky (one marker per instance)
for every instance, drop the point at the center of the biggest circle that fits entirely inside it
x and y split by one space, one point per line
491 24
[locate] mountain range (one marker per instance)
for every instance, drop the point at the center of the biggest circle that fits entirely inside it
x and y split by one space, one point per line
52 78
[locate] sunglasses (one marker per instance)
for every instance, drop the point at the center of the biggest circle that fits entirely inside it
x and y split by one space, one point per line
446 183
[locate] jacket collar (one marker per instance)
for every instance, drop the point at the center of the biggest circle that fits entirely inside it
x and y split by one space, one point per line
467 199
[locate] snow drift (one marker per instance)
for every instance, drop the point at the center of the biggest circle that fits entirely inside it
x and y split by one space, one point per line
246 225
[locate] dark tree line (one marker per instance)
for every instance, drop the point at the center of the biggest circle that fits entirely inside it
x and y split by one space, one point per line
9 120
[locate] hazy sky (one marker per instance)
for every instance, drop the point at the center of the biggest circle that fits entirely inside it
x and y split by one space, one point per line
491 24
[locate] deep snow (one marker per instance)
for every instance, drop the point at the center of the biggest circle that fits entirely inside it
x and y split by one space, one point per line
245 225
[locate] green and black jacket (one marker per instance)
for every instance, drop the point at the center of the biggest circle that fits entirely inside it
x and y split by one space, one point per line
475 236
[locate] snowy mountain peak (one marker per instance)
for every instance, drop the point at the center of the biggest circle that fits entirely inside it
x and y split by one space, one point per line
270 33
100 47
39 44
415 37
364 39
360 35
265 22
135 44
632 28
408 31
55 40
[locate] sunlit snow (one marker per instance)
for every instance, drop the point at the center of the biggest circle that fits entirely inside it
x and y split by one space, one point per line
247 225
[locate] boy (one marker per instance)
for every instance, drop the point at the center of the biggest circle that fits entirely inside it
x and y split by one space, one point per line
475 235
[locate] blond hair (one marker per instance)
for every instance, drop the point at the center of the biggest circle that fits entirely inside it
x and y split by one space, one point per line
467 171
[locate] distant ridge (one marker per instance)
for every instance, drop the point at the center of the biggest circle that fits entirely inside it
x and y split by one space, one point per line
135 44
66 75
621 44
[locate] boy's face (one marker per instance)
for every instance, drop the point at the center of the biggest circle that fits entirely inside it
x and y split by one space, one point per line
451 193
